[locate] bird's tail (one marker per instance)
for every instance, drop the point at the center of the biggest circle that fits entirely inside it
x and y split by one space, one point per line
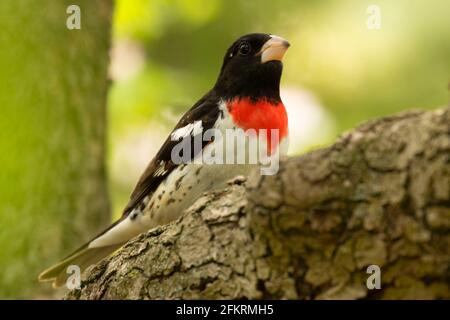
83 258
93 251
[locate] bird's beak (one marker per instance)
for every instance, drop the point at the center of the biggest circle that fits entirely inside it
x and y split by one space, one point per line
274 49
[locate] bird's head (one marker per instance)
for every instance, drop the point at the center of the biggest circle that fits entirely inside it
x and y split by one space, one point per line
252 67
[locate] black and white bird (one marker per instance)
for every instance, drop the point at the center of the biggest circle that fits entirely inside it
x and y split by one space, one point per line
245 96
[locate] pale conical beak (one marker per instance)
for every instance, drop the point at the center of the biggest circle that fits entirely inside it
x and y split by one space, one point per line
274 49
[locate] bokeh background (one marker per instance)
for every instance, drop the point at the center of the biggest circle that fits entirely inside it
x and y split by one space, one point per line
71 114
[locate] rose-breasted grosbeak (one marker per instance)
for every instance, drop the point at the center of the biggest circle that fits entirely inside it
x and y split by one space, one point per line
245 96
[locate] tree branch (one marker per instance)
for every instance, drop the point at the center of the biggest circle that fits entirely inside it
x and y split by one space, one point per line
380 195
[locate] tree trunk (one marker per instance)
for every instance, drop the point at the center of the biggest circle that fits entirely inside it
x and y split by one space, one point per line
379 196
53 88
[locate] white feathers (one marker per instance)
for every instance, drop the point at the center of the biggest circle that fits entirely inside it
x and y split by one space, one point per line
225 121
120 233
161 170
190 129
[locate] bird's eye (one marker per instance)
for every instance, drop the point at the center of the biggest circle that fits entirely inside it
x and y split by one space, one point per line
244 48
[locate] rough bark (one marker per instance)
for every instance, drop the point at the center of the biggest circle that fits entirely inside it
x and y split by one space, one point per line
53 89
380 195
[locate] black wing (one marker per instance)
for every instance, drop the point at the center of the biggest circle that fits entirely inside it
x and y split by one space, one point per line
205 110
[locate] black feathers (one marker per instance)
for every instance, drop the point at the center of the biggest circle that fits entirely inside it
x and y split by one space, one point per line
205 110
243 75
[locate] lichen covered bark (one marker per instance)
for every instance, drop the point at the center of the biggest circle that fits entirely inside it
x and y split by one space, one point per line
379 196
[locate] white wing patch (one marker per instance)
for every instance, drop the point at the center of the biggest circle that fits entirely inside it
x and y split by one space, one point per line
161 170
190 129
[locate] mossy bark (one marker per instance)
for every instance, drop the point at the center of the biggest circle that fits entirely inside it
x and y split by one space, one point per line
53 89
379 196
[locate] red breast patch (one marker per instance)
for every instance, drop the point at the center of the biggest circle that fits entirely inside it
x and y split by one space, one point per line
260 114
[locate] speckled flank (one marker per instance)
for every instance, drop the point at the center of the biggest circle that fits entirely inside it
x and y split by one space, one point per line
188 184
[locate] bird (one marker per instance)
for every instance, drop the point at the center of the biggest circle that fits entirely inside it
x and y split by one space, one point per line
245 96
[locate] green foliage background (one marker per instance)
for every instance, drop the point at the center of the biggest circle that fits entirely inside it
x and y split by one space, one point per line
357 73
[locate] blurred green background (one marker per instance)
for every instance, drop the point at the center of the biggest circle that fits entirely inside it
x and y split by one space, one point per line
337 73
67 140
